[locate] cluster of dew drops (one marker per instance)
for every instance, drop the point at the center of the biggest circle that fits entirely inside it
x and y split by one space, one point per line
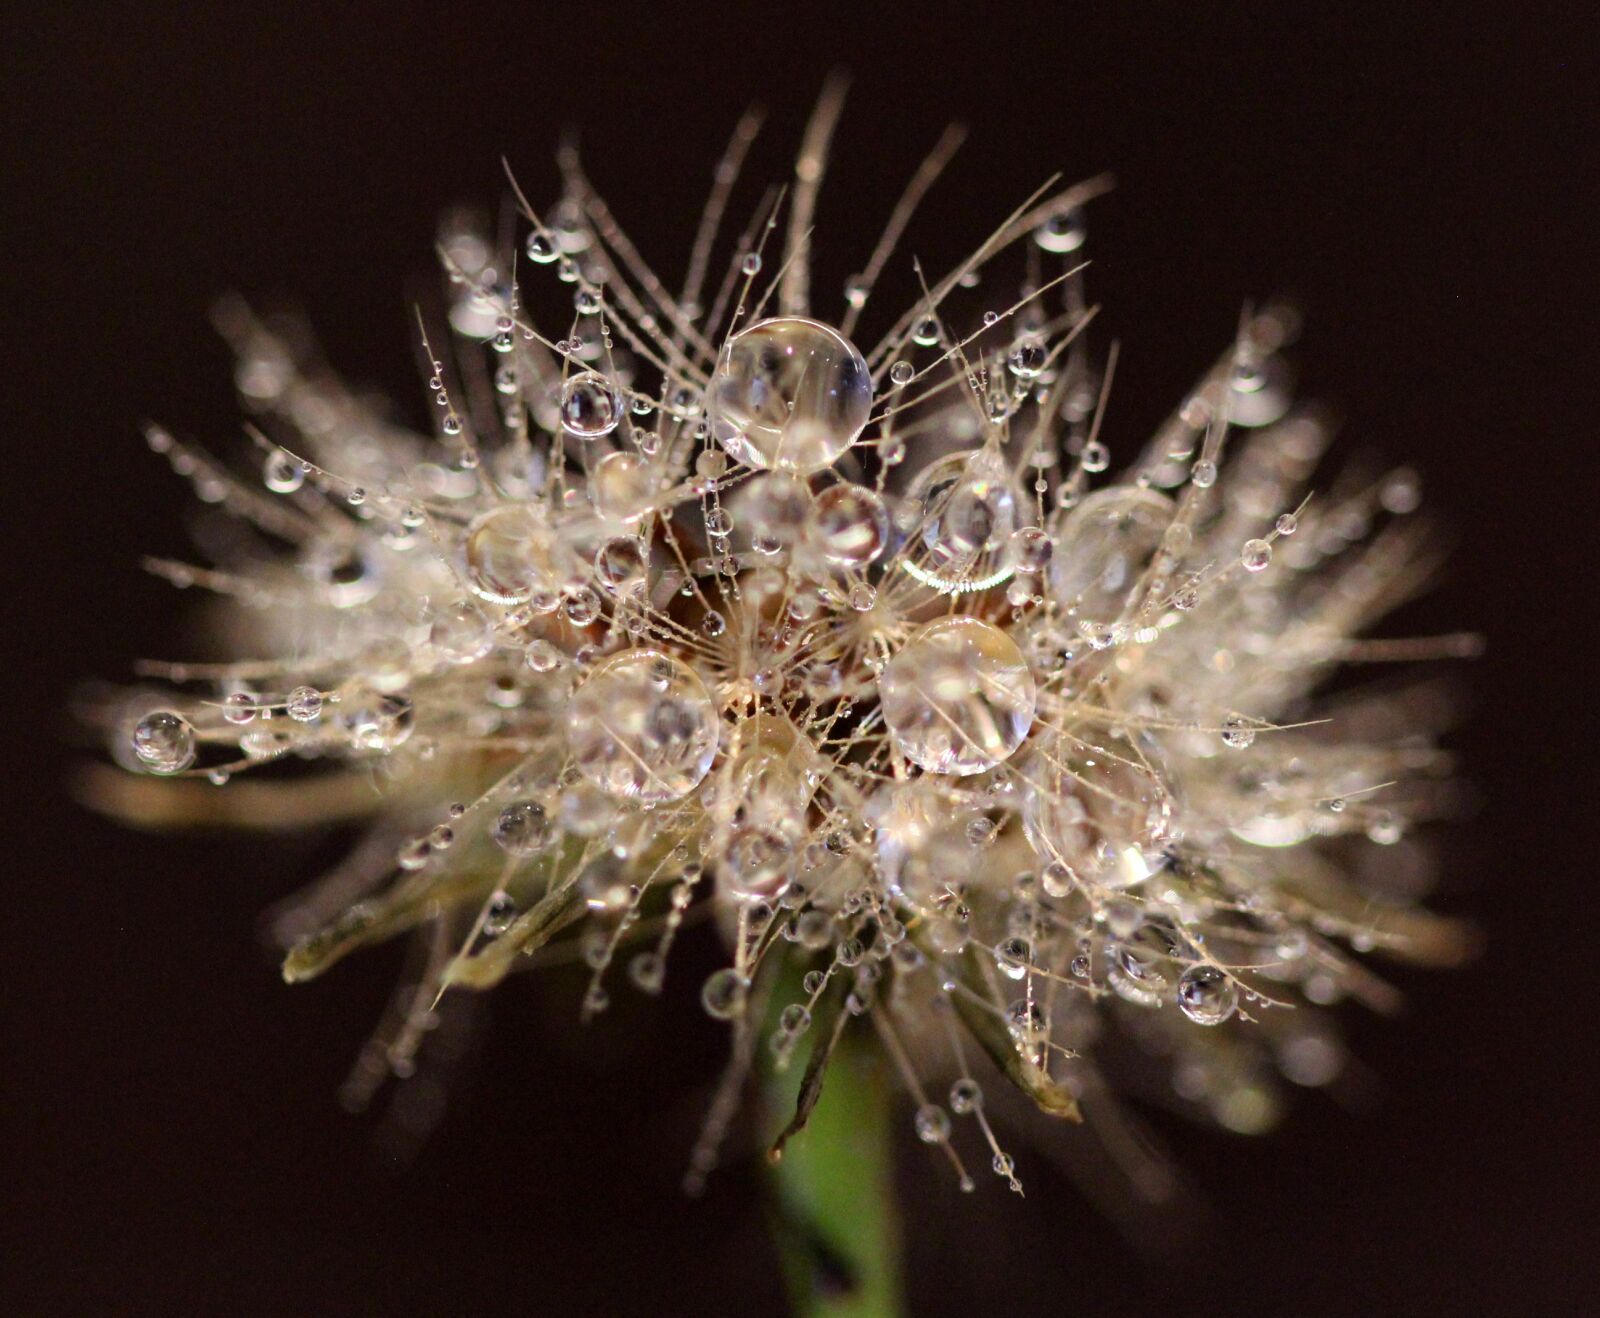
702 611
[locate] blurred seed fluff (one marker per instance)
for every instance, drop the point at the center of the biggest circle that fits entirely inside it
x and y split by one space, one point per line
694 604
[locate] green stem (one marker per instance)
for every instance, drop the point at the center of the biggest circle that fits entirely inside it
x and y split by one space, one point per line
832 1191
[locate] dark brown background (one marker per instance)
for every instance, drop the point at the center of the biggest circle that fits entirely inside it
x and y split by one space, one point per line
169 1140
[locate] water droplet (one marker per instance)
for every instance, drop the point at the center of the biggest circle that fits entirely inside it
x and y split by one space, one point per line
648 971
958 698
460 633
541 656
1237 732
755 862
1206 995
304 704
622 486
239 707
541 249
902 373
791 393
642 725
589 406
582 607
966 1096
1256 555
282 473
375 720
522 828
849 525
511 552
164 742
1105 545
1012 957
968 509
932 1124
723 994
1062 232
621 565
1029 550
1027 359
499 915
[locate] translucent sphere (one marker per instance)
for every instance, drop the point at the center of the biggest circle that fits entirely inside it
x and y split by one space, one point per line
1206 996
522 828
1095 810
969 510
164 742
849 525
642 725
375 720
775 510
622 565
590 407
791 393
622 487
512 552
304 704
1104 546
958 698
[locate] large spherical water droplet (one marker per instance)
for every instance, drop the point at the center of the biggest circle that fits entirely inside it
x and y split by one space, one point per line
460 633
724 994
849 525
642 725
1096 807
1104 547
164 742
622 565
522 828
1206 996
774 511
304 704
790 393
511 553
1143 964
969 510
590 407
958 698
622 487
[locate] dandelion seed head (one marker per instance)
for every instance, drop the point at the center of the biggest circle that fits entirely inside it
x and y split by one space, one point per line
856 631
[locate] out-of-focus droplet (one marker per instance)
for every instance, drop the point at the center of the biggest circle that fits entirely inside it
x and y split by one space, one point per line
642 726
164 742
849 525
958 698
1105 544
522 828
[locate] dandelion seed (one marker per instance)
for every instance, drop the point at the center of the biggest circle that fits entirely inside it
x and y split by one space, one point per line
735 604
